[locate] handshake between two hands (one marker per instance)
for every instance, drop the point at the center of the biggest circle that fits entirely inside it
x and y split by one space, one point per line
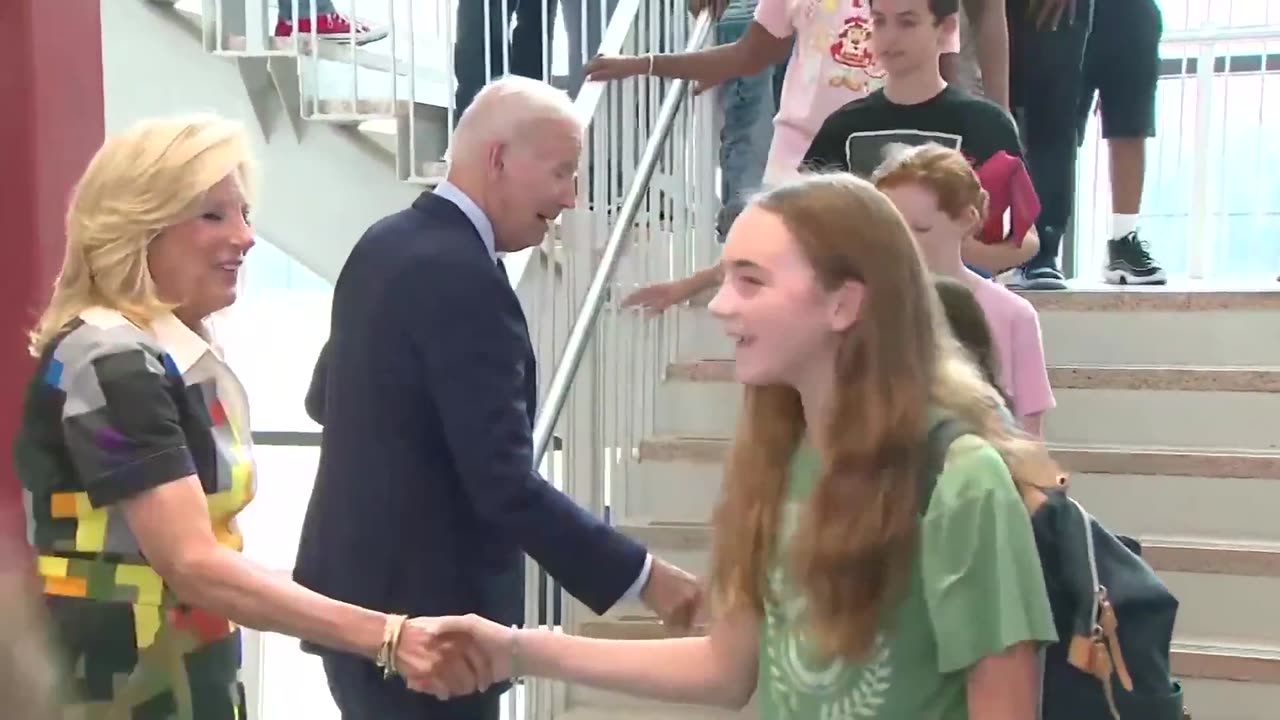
449 657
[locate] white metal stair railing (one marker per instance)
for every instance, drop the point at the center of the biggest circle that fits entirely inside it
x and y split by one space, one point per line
402 87
398 90
646 212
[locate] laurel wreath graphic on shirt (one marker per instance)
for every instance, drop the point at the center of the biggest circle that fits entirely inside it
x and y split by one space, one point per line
792 677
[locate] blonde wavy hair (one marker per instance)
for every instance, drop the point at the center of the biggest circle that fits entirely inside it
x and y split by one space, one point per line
857 537
139 183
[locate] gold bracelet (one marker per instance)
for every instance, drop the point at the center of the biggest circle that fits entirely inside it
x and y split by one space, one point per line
390 641
395 645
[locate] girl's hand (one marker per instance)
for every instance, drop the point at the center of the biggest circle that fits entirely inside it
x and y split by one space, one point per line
482 650
603 68
440 657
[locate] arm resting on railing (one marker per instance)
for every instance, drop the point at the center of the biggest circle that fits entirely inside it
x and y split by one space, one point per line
753 53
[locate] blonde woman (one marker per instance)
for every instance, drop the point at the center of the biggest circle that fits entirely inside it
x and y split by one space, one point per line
135 450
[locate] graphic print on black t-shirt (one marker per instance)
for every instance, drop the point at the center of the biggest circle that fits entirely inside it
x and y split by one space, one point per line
865 151
852 139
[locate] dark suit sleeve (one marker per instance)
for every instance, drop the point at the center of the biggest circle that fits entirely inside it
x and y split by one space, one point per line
314 401
471 336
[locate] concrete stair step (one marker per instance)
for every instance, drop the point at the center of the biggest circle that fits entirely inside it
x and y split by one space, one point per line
606 707
1171 554
1135 406
1083 459
1075 377
1140 492
1227 590
1238 663
1183 296
1185 325
1221 681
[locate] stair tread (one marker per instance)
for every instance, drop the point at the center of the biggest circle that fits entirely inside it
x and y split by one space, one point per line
1164 378
1148 541
1068 366
1054 447
1165 554
659 711
1182 295
1268 652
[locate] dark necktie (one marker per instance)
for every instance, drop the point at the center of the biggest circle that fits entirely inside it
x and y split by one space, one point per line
501 268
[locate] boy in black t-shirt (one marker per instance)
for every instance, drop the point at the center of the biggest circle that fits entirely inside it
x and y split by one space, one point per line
854 137
917 106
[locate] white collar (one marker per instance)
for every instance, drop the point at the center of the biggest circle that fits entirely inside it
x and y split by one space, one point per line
183 344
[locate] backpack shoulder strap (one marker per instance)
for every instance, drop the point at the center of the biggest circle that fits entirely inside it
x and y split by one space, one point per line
943 433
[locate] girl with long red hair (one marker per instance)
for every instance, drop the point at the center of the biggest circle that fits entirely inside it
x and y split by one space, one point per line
836 594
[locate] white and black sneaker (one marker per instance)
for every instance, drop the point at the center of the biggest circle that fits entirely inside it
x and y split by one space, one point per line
1129 262
1034 277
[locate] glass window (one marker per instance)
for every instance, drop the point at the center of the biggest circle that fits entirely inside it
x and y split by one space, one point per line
273 334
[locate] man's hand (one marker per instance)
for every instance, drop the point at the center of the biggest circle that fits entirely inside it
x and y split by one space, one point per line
1048 14
674 595
439 656
603 68
715 6
656 298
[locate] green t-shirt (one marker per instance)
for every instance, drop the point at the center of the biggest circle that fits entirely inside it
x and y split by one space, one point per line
977 589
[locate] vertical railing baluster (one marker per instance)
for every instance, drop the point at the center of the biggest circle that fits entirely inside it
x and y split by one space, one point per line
1200 200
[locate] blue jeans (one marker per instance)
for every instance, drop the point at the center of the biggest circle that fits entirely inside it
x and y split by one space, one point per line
748 105
323 7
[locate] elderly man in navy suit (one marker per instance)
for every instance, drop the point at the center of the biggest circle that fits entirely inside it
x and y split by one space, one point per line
426 493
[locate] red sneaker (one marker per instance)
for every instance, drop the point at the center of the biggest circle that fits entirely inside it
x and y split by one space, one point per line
335 27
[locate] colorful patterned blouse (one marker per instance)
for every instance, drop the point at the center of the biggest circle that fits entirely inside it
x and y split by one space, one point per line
112 412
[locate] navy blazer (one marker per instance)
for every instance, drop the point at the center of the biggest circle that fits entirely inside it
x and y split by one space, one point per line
426 492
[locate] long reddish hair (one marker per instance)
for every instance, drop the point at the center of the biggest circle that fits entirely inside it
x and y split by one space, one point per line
856 541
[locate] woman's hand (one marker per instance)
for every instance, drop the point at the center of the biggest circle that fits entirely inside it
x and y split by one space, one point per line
603 68
456 655
441 657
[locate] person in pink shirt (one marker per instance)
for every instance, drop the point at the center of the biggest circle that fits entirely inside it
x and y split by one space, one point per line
939 195
830 64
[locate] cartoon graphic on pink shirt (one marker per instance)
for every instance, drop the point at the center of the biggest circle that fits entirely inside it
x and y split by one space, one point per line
852 50
830 66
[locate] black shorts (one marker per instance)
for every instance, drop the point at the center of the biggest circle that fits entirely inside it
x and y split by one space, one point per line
1122 68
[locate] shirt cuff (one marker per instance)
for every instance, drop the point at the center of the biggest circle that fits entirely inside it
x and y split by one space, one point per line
633 592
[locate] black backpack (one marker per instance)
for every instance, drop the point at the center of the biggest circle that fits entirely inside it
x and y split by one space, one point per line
1113 614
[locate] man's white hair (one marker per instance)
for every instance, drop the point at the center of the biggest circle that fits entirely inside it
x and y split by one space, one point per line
505 108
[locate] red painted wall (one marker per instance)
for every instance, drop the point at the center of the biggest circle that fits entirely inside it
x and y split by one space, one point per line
51 122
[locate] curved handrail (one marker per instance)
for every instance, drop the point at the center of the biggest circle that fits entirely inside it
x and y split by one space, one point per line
561 380
615 36
584 323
